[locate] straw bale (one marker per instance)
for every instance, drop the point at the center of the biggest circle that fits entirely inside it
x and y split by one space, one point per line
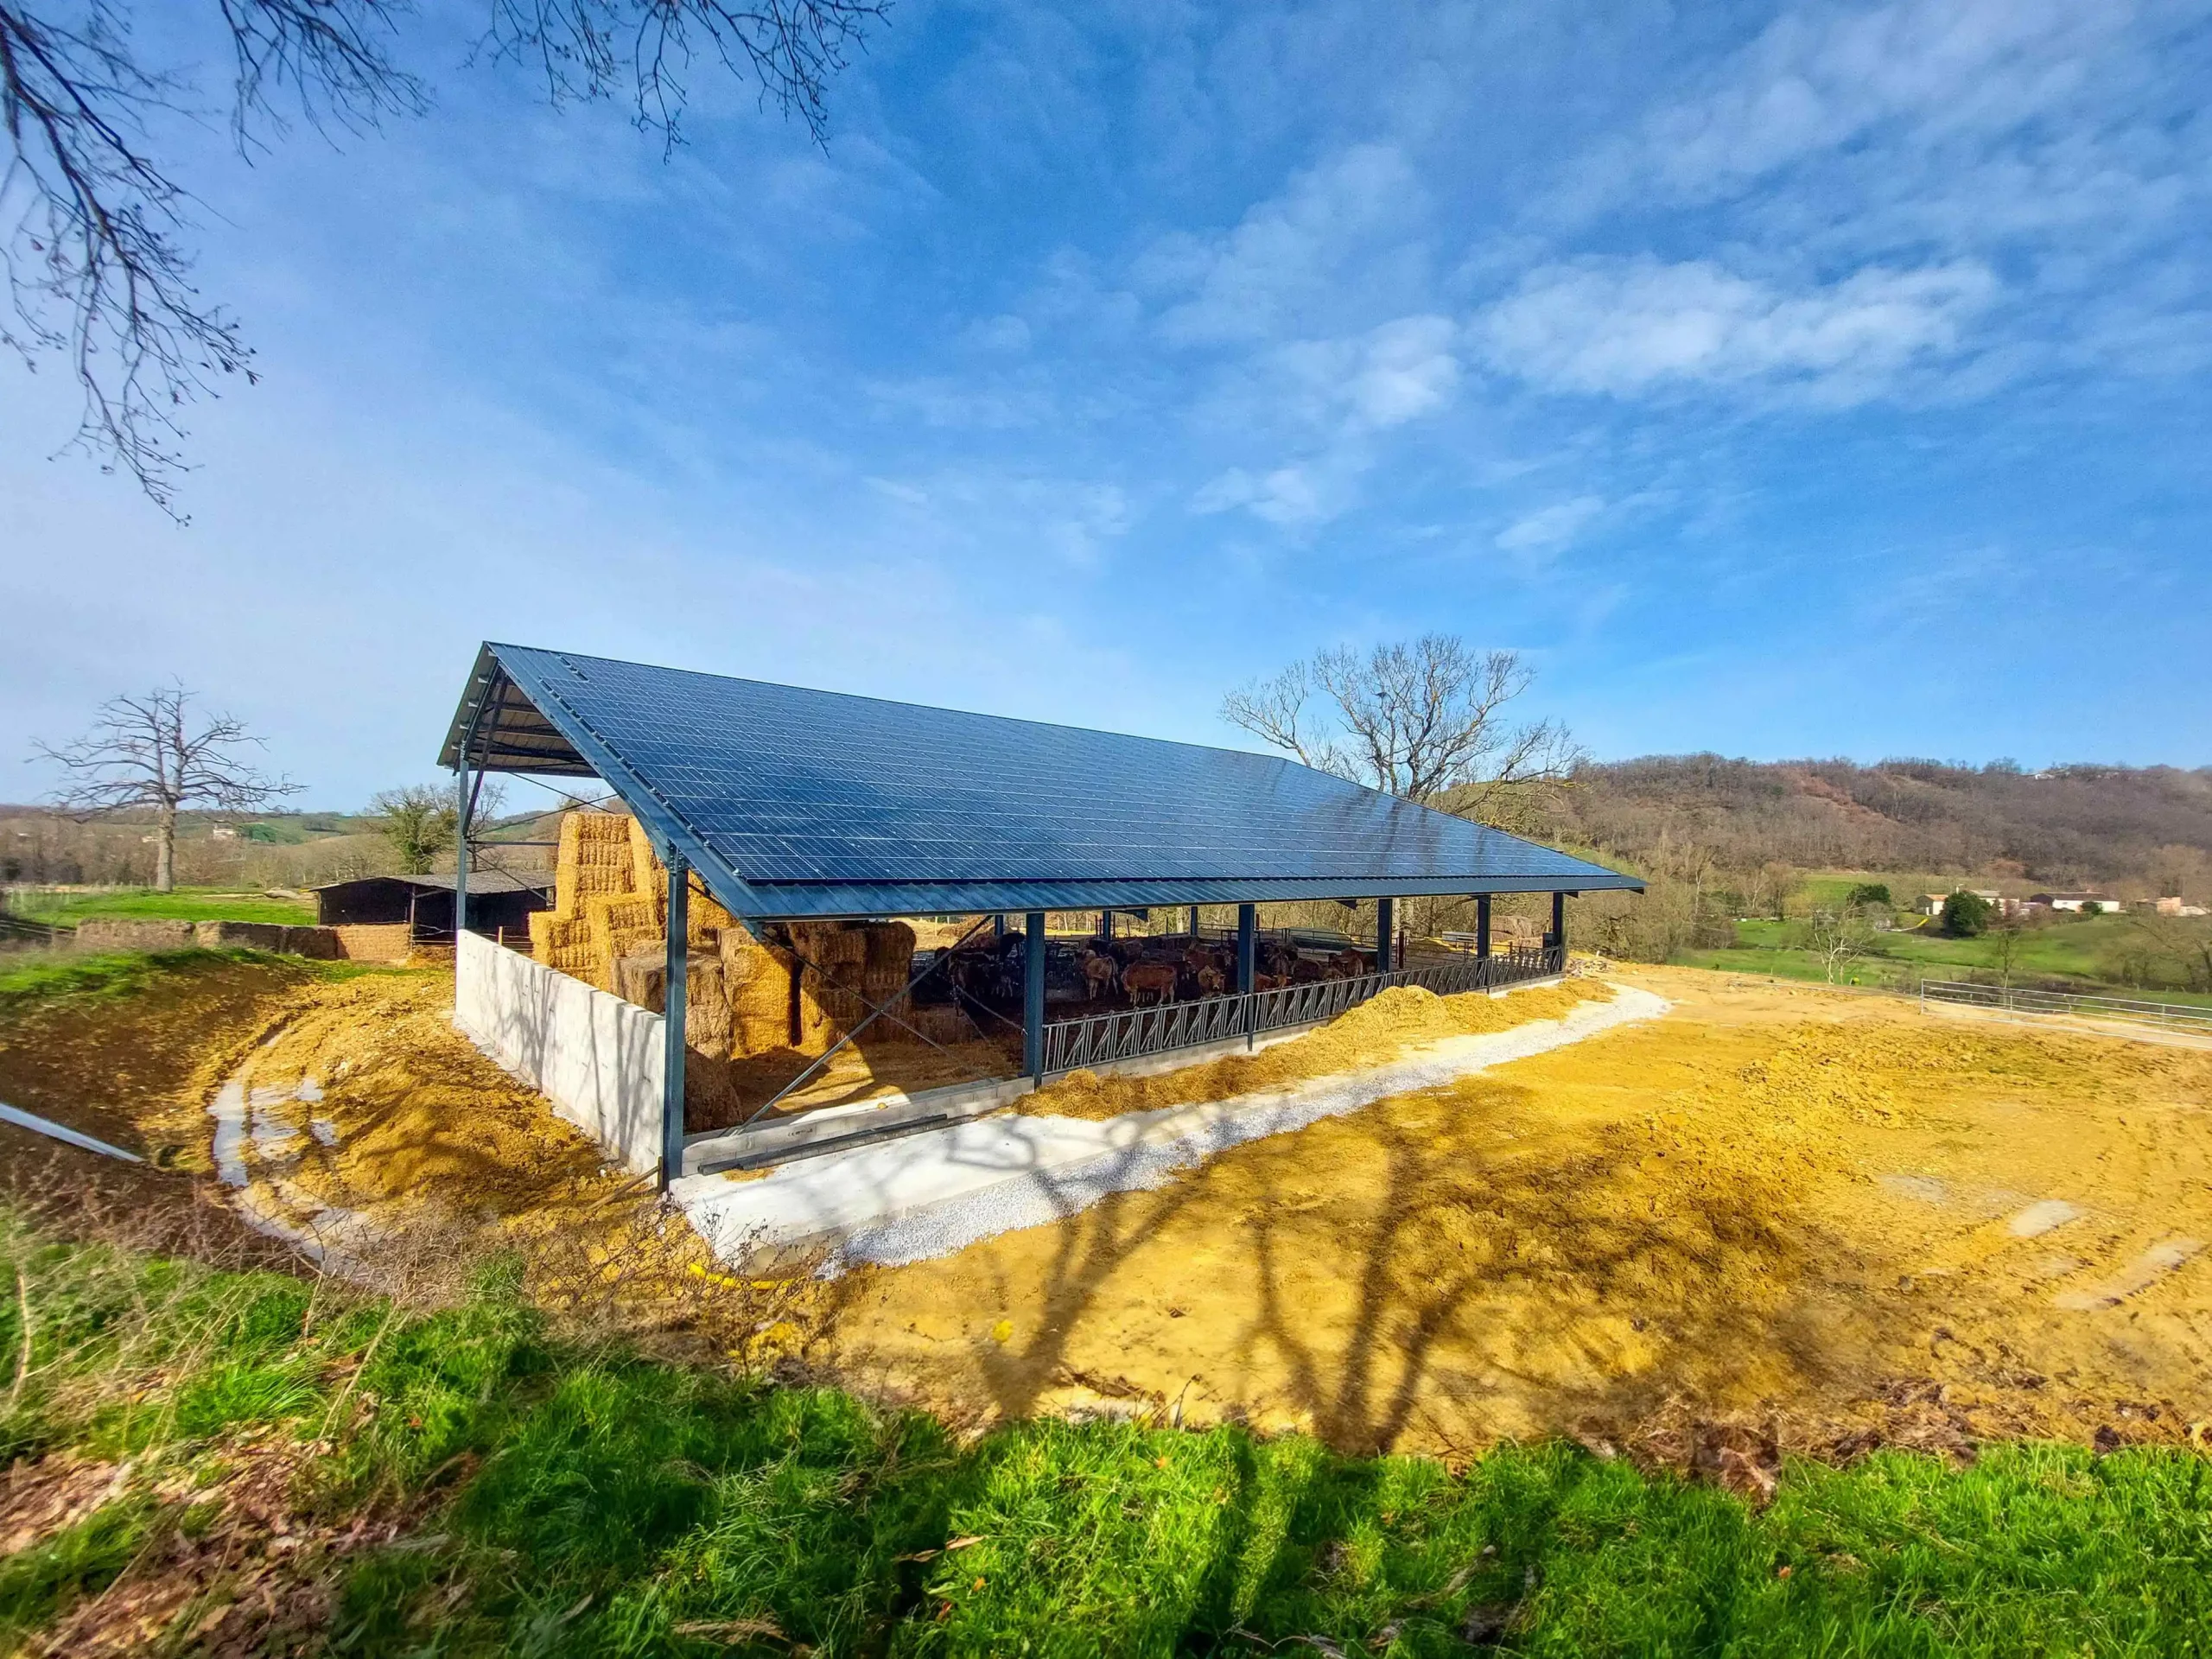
641 977
609 913
889 951
650 877
758 984
595 858
705 919
553 936
947 1023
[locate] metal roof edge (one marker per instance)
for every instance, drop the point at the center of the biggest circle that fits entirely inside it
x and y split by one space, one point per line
792 901
667 830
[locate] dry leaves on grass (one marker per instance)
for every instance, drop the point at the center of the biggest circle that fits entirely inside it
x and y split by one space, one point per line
233 1565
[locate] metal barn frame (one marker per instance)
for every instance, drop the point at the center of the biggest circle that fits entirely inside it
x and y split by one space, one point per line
797 805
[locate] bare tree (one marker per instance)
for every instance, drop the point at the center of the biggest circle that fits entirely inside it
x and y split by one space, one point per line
97 268
1423 720
140 756
2186 943
1838 933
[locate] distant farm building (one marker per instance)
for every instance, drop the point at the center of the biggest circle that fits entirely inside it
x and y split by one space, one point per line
2077 902
498 902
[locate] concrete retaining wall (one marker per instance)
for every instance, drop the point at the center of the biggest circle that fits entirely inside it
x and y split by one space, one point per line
377 943
597 1057
102 935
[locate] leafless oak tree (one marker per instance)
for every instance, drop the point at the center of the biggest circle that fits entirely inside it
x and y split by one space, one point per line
92 221
141 756
1427 721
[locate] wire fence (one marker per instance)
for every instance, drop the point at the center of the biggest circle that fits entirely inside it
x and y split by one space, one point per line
2165 1016
1131 1033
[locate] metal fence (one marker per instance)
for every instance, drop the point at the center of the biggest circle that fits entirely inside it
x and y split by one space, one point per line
2167 1016
1132 1032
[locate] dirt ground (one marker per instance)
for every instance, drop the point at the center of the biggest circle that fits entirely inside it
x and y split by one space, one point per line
1833 1217
1836 1219
371 1135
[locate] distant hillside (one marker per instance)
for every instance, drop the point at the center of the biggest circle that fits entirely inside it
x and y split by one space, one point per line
2139 828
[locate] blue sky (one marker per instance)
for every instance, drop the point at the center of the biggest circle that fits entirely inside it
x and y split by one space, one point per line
1793 380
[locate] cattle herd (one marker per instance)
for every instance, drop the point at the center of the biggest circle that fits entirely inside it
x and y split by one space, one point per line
1135 972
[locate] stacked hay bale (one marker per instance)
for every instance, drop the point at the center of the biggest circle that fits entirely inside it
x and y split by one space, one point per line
759 984
595 860
833 965
743 997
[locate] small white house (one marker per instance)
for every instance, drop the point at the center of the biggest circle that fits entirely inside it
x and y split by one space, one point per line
2077 902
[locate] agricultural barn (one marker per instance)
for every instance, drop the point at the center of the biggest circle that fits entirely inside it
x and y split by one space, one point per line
498 902
774 837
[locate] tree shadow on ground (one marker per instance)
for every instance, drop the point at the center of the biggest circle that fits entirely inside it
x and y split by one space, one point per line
1497 1284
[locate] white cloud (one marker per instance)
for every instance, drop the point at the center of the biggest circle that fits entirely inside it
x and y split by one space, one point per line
1549 528
1288 496
1004 333
1629 326
1289 253
1406 370
1817 79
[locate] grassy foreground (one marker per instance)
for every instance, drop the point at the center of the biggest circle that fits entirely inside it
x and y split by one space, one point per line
309 1472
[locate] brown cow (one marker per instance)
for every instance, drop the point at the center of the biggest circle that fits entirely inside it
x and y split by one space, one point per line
1156 978
1211 980
1099 973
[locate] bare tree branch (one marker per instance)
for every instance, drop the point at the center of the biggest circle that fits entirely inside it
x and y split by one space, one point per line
1425 720
93 222
141 755
590 49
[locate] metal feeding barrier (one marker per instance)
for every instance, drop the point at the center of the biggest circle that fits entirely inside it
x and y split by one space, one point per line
2165 1016
1130 1034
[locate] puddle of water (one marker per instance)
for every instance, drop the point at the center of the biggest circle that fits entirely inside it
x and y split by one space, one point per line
251 1131
1924 1189
228 1109
2141 1274
2040 1218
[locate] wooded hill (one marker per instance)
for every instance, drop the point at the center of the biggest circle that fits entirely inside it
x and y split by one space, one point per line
2143 830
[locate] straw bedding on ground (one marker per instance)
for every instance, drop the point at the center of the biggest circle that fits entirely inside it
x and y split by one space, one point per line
1374 1033
1799 1211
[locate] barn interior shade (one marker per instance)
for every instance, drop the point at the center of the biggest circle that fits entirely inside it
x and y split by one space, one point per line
792 803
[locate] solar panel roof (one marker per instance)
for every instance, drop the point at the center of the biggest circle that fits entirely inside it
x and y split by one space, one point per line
792 803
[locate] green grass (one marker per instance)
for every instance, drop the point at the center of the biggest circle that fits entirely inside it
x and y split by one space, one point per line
579 1500
41 978
2086 956
143 904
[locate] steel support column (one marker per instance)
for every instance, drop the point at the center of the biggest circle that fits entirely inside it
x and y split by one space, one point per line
1248 954
461 855
1558 940
1033 998
1194 921
1482 924
1386 935
1106 925
674 996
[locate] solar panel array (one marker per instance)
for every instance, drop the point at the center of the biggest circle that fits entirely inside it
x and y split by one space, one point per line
792 786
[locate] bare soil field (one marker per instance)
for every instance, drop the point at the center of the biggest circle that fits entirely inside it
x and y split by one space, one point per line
1827 1221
